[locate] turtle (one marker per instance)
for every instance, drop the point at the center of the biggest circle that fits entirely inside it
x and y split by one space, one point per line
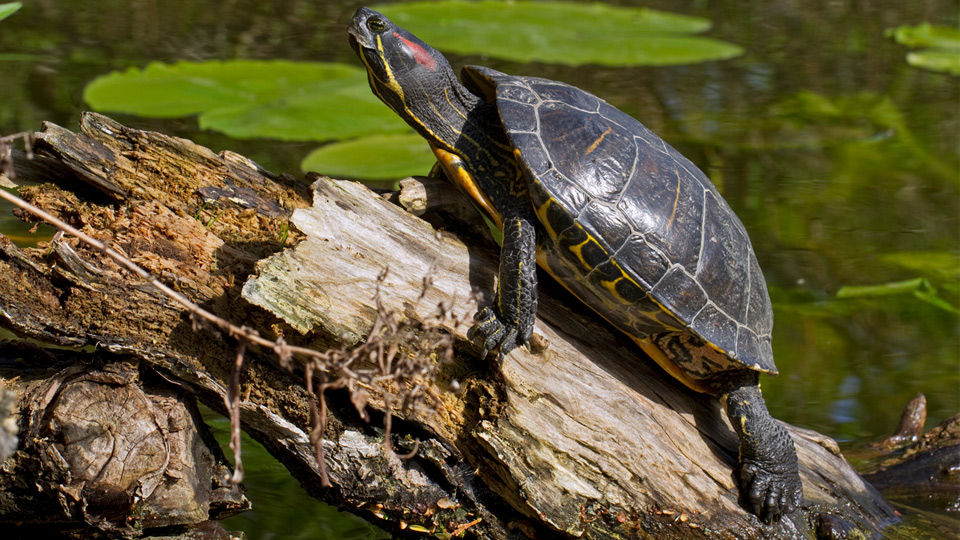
612 212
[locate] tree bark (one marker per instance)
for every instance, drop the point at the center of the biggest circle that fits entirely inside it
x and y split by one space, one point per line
107 447
581 436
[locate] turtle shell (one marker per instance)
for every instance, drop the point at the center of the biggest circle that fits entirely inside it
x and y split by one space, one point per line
633 228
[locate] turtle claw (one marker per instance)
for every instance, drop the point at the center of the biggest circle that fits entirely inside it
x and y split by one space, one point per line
493 334
771 493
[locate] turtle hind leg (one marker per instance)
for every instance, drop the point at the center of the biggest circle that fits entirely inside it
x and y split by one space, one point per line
769 475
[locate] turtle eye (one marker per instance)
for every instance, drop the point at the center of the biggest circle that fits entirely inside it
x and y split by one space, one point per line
376 24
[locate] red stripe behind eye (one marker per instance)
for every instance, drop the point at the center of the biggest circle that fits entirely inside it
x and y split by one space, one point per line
419 53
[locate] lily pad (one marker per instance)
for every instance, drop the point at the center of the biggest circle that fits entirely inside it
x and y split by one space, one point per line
248 98
561 32
332 102
377 157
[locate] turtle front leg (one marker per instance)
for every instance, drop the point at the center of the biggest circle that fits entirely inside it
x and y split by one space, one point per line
508 322
769 476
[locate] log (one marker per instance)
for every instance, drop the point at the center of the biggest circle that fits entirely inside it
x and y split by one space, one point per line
914 469
580 436
108 447
205 245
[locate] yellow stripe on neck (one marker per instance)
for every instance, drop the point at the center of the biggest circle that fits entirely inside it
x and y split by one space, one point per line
453 165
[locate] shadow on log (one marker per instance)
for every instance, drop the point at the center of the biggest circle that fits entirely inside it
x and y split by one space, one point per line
581 436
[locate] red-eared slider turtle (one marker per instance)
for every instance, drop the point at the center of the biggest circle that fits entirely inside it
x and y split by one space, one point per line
615 214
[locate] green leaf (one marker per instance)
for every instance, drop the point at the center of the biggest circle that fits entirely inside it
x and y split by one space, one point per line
247 98
8 9
377 157
943 54
897 287
946 61
921 288
560 32
935 300
927 35
942 268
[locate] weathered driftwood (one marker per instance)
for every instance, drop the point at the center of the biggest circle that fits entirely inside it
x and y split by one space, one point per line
202 233
914 469
588 423
581 436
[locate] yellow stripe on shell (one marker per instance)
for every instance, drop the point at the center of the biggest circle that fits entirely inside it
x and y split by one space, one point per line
645 343
612 287
597 142
578 251
674 370
541 212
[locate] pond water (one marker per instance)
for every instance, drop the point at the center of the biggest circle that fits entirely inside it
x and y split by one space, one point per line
839 157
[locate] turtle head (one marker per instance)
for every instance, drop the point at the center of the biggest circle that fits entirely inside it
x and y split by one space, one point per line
403 71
